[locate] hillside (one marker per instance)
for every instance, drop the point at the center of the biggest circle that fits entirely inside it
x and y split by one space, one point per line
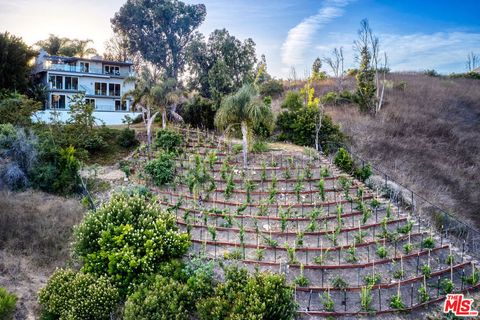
426 137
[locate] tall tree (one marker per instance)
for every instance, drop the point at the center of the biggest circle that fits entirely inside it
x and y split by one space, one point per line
368 48
473 61
221 65
261 74
116 48
160 30
336 63
246 109
81 48
14 62
153 95
53 44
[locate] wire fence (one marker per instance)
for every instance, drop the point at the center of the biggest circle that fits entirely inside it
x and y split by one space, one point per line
429 215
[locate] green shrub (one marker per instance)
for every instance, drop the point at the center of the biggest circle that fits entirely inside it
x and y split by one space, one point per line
127 138
199 112
168 141
127 239
7 135
293 101
298 126
162 169
259 146
343 160
8 304
363 173
93 143
160 298
246 296
70 295
17 109
271 88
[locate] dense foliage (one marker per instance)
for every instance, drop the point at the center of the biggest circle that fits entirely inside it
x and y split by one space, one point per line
77 296
199 112
246 296
221 65
160 30
8 303
17 109
15 56
169 141
161 169
297 123
127 239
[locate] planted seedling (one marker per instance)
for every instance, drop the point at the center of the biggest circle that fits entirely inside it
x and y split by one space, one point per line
366 298
396 302
328 303
301 280
339 283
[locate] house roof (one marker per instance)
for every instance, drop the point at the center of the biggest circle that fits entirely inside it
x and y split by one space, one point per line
73 59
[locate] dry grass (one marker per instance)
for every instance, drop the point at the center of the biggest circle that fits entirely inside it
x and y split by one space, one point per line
426 137
38 226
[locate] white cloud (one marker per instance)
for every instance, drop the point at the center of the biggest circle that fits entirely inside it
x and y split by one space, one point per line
443 51
299 37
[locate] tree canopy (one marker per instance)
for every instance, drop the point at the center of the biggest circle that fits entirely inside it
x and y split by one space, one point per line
222 64
160 30
55 45
14 58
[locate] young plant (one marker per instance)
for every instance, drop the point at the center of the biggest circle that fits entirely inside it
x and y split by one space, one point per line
260 253
426 270
308 173
292 259
339 283
301 280
213 232
396 302
328 303
249 187
225 170
373 279
423 294
273 191
321 189
352 258
263 171
298 188
408 247
299 239
312 226
428 243
366 298
382 252
472 279
447 286
230 186
321 258
212 158
406 228
324 172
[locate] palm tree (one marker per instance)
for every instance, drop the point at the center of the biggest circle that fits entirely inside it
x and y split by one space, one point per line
82 48
152 95
53 45
244 108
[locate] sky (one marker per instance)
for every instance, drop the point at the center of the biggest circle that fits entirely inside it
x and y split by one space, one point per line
416 35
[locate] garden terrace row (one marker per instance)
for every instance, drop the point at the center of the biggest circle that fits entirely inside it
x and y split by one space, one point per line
301 238
173 197
354 275
285 221
332 257
274 196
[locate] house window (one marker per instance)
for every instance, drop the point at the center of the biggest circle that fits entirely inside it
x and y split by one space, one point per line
120 105
71 83
114 89
90 101
100 89
58 101
113 70
56 82
85 67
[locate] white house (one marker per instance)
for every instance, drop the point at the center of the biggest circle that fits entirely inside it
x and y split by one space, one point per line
102 82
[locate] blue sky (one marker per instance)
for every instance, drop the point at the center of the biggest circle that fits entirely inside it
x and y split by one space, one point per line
416 35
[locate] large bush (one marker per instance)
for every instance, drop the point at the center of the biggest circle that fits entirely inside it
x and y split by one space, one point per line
127 138
199 112
127 239
173 292
246 296
168 140
162 169
77 296
298 126
271 88
17 109
8 303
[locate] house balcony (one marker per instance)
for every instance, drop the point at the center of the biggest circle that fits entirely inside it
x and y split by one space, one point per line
90 70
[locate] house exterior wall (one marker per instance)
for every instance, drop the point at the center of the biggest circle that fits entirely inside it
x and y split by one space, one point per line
56 72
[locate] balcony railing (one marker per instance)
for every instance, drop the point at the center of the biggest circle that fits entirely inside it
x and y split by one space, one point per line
92 70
